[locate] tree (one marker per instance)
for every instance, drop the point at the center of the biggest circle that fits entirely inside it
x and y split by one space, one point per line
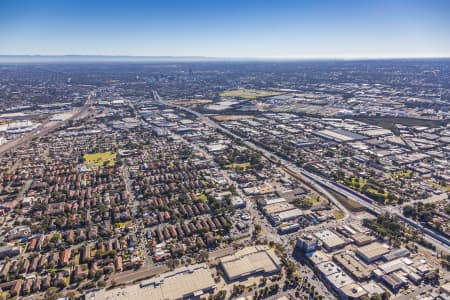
220 295
101 283
376 296
257 229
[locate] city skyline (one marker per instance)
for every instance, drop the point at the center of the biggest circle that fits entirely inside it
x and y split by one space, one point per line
232 29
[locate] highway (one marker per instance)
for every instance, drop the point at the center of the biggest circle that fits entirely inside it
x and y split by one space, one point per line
439 241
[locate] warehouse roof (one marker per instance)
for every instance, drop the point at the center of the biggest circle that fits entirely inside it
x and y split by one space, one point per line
182 282
362 238
328 268
353 265
339 279
373 250
277 207
329 239
353 291
250 260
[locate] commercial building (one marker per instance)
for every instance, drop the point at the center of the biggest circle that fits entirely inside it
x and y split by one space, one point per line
331 273
339 135
362 239
393 282
187 282
278 207
214 148
373 288
352 291
339 280
445 288
285 216
327 268
265 202
372 252
286 228
330 240
238 202
306 243
317 257
250 261
353 266
397 253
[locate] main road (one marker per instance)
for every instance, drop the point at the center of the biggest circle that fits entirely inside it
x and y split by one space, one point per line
318 182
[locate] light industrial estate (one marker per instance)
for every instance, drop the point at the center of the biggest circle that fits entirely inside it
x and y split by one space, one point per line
225 180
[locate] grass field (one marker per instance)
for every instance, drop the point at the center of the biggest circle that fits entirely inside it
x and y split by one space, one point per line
403 174
99 159
243 166
249 93
203 198
123 224
313 200
440 186
358 183
338 214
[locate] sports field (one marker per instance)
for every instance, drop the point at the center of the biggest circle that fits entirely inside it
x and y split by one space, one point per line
99 159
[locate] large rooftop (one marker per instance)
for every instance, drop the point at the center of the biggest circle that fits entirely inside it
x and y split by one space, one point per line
329 239
373 250
182 282
249 261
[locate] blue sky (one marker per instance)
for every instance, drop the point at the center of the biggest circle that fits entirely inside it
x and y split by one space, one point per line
227 28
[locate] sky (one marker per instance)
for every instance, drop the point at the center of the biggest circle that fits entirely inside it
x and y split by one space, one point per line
227 28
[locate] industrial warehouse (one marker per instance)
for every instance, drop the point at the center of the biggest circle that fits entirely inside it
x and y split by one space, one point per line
185 282
250 261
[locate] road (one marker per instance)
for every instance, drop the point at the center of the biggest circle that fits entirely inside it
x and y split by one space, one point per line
439 241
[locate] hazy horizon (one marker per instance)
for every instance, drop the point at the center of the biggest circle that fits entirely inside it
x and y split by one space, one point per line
75 58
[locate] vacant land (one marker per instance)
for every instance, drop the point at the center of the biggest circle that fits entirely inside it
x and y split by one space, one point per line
100 158
313 200
338 214
232 117
389 122
242 166
190 102
249 93
351 205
